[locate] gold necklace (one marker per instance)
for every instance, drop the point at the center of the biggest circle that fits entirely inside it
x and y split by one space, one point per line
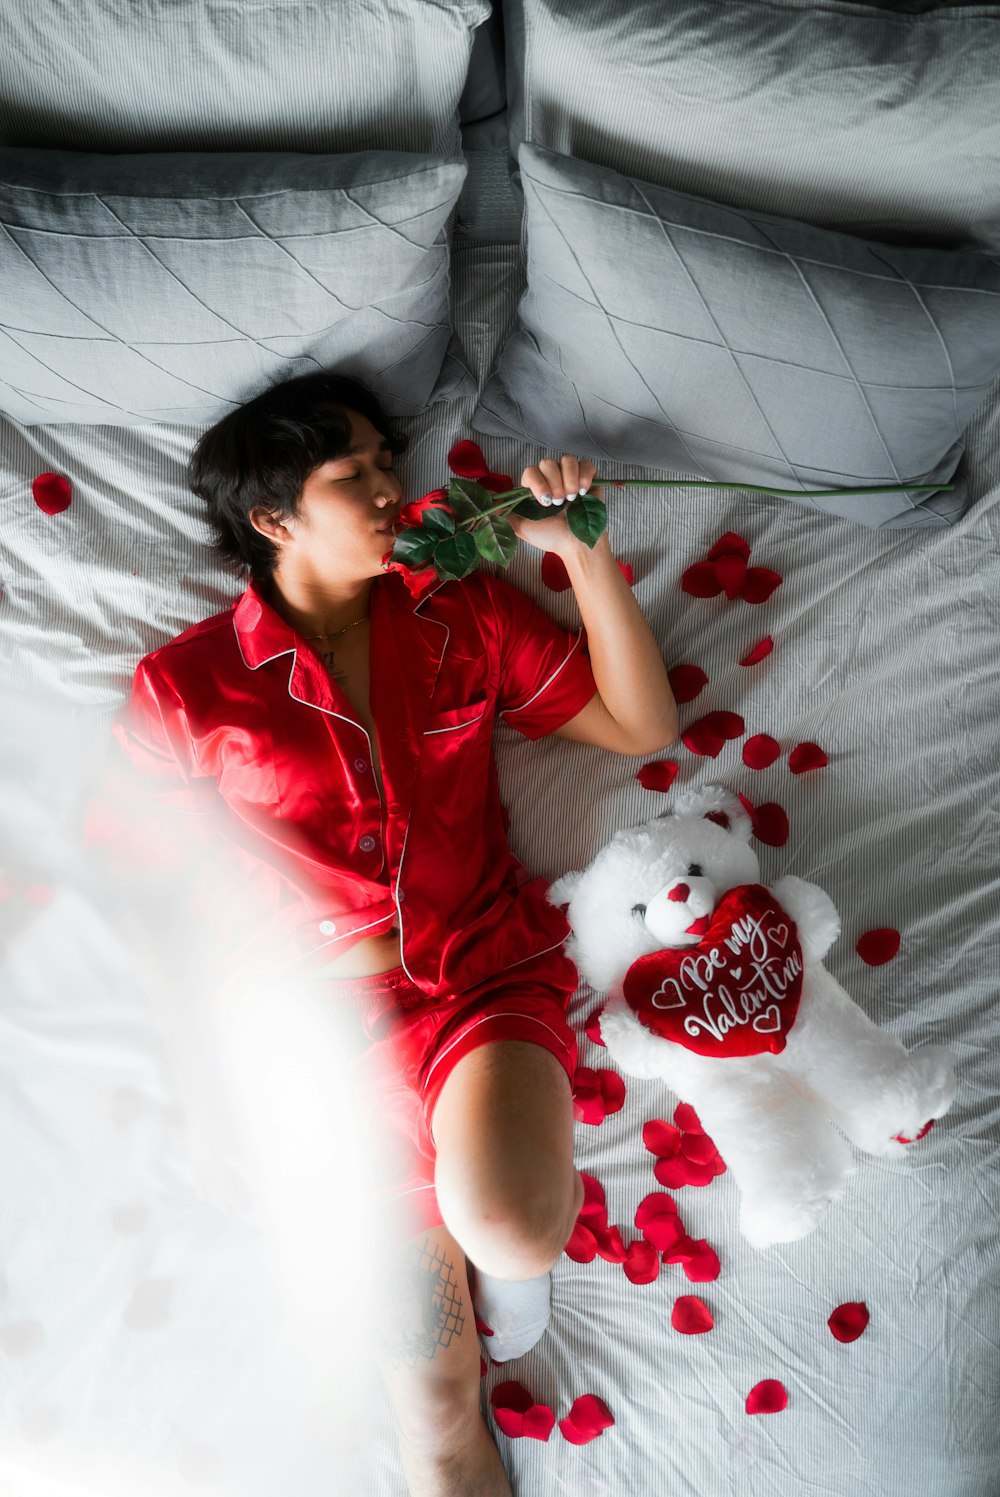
338 632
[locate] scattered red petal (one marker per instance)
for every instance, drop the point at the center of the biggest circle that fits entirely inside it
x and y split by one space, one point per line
768 1397
517 1414
686 1118
691 1316
702 1266
730 544
699 1148
902 1138
849 1321
747 804
664 1232
878 946
703 739
498 483
610 1244
700 580
642 1262
806 756
596 1094
656 1204
467 460
760 751
481 1325
660 1138
686 681
52 493
760 584
554 573
762 648
770 824
594 1209
588 1418
729 724
627 572
732 573
592 1028
659 774
676 1172
582 1244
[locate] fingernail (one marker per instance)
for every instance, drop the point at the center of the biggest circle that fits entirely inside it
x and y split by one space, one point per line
559 500
545 498
580 491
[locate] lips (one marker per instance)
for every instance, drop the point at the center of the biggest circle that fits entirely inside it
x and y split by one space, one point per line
700 926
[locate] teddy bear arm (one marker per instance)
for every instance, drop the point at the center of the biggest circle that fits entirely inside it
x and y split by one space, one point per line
813 911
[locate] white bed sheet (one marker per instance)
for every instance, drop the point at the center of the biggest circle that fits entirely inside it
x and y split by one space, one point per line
140 1345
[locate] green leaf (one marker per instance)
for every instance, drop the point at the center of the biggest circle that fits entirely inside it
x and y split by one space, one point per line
495 540
468 498
438 521
414 547
587 518
455 557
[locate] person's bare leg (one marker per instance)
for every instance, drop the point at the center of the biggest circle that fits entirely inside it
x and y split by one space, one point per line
505 1179
429 1360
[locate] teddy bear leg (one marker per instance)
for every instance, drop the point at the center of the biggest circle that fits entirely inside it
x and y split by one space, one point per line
871 1087
783 1154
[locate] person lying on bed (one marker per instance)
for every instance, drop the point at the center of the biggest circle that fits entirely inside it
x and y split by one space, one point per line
348 731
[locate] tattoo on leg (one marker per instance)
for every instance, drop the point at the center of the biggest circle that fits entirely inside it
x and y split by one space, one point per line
424 1305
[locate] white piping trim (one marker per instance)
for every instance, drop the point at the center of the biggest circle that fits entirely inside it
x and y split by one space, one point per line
506 711
485 1019
428 732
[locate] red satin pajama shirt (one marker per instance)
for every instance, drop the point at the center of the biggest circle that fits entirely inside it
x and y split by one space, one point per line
238 720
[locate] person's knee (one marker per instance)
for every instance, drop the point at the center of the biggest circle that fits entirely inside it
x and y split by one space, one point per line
511 1233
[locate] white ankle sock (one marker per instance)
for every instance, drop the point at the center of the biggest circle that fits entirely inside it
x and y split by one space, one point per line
516 1312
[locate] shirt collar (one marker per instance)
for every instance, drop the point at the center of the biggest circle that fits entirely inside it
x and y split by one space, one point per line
263 634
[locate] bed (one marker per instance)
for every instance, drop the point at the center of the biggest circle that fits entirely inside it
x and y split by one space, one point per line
551 163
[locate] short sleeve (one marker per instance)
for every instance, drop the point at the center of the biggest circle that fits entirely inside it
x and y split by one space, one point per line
152 732
545 672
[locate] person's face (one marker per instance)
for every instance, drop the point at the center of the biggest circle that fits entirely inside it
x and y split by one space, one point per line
348 505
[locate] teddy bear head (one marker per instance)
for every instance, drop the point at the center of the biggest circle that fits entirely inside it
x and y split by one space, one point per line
655 885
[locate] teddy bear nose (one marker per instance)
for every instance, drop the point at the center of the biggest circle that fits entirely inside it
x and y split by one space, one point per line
680 891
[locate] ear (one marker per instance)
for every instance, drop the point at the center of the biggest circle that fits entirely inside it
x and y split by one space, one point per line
268 526
561 890
716 804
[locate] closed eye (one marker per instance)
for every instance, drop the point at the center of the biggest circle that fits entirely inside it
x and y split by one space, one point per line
694 871
639 909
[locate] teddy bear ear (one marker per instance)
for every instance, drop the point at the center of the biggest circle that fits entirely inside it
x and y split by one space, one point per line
716 804
562 889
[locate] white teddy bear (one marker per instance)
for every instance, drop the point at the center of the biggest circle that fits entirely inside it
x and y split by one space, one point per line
718 988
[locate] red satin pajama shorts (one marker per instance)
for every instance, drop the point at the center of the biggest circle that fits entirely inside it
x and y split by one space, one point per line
413 1042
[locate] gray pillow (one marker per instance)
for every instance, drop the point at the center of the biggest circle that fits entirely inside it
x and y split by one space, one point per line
661 329
175 287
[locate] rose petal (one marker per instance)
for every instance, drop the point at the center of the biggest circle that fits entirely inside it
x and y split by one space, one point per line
770 824
901 1138
768 1397
729 724
760 751
610 1244
686 681
656 1204
878 946
806 756
730 544
592 1028
52 493
673 1173
699 1148
687 1119
626 572
747 804
642 1262
732 573
691 1316
760 584
659 774
700 580
660 1138
498 483
664 1232
594 1208
481 1325
581 1245
702 1264
467 461
588 1418
702 738
761 649
554 573
849 1321
517 1414
612 1088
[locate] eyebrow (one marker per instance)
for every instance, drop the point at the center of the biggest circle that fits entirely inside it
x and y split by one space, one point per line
384 446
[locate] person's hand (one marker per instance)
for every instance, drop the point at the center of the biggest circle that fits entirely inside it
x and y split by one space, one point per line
555 482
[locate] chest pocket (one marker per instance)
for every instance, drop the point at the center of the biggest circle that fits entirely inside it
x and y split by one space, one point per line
451 719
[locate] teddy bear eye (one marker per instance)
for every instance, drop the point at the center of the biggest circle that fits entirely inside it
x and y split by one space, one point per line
694 871
639 909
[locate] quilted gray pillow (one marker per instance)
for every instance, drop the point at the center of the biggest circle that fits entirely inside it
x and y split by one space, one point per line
664 330
175 287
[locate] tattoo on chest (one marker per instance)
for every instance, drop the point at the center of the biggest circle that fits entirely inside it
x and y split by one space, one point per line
424 1304
329 659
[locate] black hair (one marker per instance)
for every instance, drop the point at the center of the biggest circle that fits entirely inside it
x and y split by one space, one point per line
260 455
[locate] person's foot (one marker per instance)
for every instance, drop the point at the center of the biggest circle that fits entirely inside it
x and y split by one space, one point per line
516 1312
